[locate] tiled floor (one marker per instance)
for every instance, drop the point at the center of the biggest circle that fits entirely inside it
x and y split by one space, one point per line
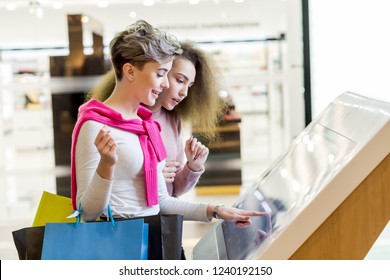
27 172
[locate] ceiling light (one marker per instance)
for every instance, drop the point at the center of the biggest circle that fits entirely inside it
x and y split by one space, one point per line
148 3
31 8
172 1
132 14
193 2
102 4
84 19
39 12
57 5
11 7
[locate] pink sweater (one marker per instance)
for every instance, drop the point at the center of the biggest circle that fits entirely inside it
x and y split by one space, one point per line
185 179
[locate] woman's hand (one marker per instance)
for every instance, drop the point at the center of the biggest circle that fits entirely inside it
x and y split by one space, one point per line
196 154
106 147
231 214
170 169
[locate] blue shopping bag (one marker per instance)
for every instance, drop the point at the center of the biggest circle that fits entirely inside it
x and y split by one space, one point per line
111 240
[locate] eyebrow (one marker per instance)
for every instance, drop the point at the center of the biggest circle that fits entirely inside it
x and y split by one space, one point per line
184 76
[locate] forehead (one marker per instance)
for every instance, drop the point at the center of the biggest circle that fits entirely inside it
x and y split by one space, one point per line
154 65
183 66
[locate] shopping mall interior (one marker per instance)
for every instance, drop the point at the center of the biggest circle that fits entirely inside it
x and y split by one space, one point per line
277 76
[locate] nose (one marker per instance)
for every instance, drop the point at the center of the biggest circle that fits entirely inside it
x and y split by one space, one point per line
165 83
184 92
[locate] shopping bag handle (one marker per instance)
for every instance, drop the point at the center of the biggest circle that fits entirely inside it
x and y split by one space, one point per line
110 215
80 211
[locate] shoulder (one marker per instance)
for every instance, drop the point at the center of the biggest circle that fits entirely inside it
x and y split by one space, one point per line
169 117
92 125
90 129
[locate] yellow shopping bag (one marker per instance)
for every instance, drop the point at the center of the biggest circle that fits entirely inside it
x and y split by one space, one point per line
53 208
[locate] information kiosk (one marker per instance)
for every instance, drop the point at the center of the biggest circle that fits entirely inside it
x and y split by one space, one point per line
327 196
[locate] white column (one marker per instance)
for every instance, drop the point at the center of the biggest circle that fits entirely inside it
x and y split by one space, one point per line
293 95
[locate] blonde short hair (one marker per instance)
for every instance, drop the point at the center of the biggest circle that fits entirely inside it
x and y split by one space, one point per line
141 43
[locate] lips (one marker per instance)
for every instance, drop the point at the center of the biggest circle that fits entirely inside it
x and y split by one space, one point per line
176 100
156 93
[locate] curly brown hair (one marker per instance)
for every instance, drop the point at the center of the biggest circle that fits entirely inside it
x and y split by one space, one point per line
202 108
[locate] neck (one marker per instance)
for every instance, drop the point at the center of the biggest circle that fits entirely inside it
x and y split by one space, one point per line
156 107
120 100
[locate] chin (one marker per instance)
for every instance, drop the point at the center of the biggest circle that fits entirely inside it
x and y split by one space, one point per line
169 107
150 102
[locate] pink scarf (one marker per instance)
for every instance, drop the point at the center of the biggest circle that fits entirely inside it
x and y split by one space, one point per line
149 136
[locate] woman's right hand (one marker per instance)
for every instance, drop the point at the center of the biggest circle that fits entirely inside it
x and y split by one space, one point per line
241 217
106 147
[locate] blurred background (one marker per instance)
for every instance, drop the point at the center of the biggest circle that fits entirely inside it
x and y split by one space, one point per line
281 61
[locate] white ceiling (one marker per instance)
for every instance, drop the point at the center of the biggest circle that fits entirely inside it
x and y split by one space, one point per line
209 20
49 3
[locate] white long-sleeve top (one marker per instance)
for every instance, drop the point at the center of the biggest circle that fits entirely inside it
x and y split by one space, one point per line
126 191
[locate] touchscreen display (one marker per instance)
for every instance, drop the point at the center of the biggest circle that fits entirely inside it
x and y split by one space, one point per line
283 191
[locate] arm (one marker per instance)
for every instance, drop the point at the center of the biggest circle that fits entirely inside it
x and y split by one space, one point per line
242 218
182 174
201 211
171 205
190 171
95 159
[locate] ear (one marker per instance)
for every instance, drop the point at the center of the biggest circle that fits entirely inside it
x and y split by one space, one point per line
128 71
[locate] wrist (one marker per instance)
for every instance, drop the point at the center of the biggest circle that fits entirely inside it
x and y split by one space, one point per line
210 209
194 169
106 171
213 211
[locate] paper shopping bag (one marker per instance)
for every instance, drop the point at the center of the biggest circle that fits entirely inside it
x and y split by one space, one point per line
28 242
114 240
165 237
53 208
